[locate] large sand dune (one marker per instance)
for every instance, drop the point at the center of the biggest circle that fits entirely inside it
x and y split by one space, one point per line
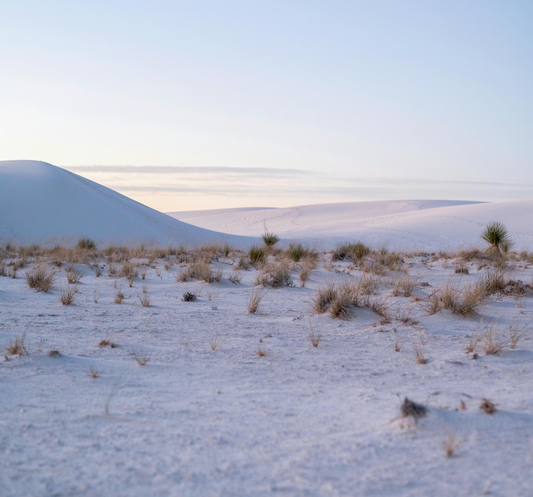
397 224
42 203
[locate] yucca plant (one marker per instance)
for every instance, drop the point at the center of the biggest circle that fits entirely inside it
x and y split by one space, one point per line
497 236
269 239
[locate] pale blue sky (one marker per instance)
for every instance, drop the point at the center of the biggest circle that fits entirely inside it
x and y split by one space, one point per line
335 101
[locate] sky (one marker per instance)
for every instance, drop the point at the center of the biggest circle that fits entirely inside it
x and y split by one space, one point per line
216 104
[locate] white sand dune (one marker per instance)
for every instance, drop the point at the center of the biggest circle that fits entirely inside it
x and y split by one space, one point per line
397 224
42 203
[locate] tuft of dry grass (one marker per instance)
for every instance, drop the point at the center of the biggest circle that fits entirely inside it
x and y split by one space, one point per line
255 299
142 360
119 296
474 340
54 353
17 346
94 373
397 346
492 344
68 295
314 337
145 300
73 276
451 444
516 333
235 276
487 406
419 355
261 352
40 278
107 343
305 272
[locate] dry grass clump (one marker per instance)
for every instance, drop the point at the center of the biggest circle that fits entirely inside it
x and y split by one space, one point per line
255 299
516 333
199 270
73 276
261 352
128 270
17 346
142 360
405 285
235 276
338 297
112 269
107 343
119 296
145 300
54 353
276 275
419 355
460 301
492 344
474 340
493 282
40 278
349 250
461 270
305 271
68 295
451 444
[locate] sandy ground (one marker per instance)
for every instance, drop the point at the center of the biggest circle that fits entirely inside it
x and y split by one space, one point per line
298 421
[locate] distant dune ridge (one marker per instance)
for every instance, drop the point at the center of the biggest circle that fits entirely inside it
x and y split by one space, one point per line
45 204
428 225
42 203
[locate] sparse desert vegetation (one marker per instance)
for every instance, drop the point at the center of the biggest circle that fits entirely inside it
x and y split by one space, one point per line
389 322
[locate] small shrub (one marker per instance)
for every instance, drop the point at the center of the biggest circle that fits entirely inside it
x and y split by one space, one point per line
145 300
189 297
412 409
257 255
107 343
261 352
487 406
296 252
54 353
87 244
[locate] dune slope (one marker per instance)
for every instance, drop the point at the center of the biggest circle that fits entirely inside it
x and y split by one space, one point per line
42 203
406 225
